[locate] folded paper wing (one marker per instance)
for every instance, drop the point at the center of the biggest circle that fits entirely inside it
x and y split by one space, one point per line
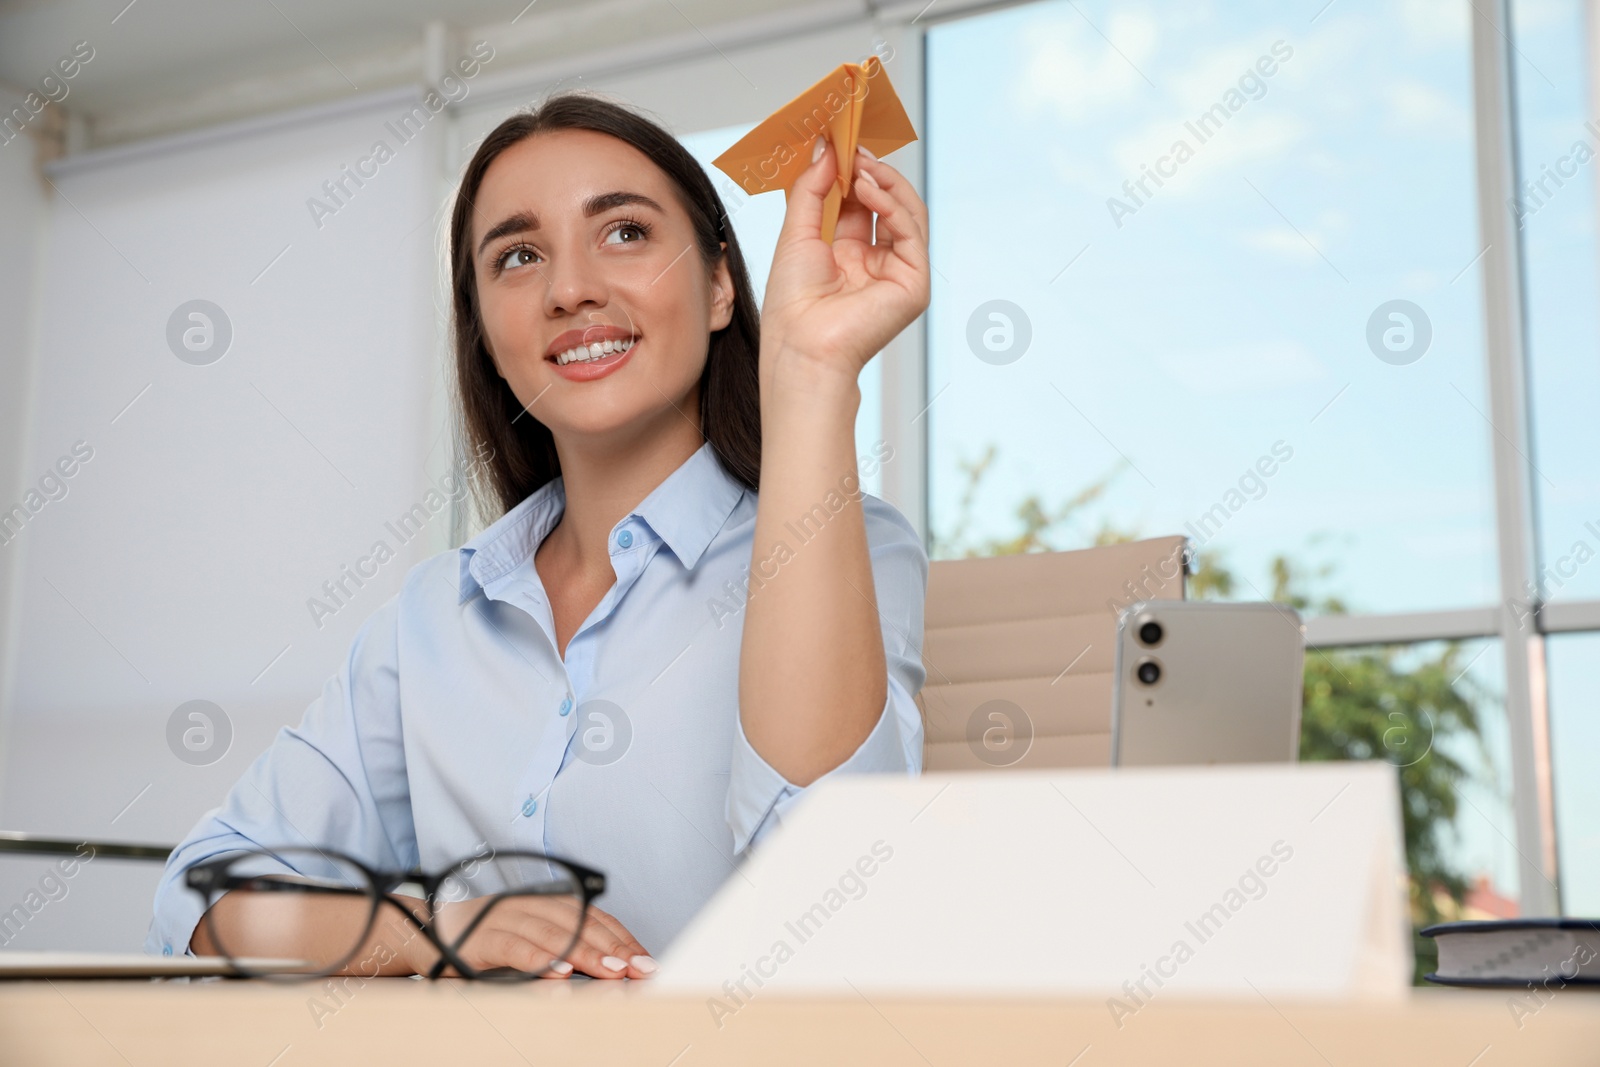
854 105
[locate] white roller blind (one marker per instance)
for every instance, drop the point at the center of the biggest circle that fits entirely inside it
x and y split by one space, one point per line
210 504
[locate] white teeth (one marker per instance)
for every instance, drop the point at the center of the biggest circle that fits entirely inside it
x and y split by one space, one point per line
586 353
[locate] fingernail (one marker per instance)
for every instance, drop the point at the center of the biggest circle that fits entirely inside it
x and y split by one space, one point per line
646 964
611 963
866 176
561 967
817 147
863 150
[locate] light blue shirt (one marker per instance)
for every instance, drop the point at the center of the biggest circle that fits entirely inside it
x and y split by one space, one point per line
454 723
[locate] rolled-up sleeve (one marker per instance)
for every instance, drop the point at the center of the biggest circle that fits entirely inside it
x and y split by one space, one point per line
335 781
759 796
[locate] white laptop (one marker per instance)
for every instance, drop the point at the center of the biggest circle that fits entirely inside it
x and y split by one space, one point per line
1219 881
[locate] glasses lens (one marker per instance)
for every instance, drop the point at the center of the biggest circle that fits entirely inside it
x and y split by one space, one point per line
290 912
509 914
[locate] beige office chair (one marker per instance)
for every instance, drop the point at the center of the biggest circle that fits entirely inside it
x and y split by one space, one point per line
1019 652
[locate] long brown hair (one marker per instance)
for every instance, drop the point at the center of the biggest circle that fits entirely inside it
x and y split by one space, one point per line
516 452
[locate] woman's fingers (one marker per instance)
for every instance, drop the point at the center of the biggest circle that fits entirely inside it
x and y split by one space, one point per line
532 920
604 949
525 933
493 945
803 216
902 235
855 218
855 215
902 255
604 932
895 213
615 925
899 189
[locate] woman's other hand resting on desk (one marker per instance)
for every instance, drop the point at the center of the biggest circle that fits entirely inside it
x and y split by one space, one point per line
526 932
523 933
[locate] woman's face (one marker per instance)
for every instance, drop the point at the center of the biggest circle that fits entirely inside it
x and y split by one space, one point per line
579 239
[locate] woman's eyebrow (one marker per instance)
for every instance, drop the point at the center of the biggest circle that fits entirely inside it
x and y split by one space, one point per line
524 221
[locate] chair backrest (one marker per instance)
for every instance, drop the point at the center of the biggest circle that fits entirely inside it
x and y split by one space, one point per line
1019 652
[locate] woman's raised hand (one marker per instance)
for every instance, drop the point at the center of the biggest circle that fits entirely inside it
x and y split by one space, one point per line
833 307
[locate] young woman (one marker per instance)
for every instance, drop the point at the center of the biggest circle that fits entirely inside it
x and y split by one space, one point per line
645 661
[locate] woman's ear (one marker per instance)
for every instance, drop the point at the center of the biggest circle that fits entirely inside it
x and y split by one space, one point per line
722 294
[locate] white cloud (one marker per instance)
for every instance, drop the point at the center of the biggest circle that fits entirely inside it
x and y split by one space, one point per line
1246 367
1069 68
1250 138
1219 69
1246 139
1436 22
1421 108
1283 241
1419 280
1077 169
1324 231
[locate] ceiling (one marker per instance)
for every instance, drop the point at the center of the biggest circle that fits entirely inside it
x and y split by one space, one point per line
164 65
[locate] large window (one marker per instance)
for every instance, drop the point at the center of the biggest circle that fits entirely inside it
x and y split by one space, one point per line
1224 271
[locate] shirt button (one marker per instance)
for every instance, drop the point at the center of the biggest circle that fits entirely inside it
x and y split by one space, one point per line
566 706
530 806
166 950
625 538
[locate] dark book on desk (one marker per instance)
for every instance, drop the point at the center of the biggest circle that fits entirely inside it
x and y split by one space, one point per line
1515 952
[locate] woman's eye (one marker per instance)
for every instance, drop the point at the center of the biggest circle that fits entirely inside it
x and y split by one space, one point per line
506 261
626 227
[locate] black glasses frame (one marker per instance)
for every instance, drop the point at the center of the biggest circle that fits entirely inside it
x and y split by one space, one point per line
203 877
213 877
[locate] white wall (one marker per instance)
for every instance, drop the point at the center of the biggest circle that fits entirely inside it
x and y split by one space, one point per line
23 199
219 498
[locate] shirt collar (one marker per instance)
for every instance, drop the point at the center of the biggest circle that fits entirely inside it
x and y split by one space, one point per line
686 511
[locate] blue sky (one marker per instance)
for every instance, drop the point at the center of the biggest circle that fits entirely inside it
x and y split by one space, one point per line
1229 312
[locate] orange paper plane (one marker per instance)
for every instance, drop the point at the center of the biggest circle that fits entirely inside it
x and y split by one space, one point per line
854 105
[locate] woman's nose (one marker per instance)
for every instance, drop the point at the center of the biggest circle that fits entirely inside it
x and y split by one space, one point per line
571 281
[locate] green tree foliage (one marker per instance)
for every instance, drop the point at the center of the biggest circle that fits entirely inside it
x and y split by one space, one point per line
1045 529
1391 703
1394 704
1398 705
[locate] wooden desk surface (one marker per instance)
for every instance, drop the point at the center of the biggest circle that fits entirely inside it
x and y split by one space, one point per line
397 1020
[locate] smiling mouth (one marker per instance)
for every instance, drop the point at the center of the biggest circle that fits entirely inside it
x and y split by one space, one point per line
590 353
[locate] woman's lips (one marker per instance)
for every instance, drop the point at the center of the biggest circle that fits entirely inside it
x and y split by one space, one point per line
588 370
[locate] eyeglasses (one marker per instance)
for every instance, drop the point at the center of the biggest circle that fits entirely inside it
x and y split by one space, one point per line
305 913
297 913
